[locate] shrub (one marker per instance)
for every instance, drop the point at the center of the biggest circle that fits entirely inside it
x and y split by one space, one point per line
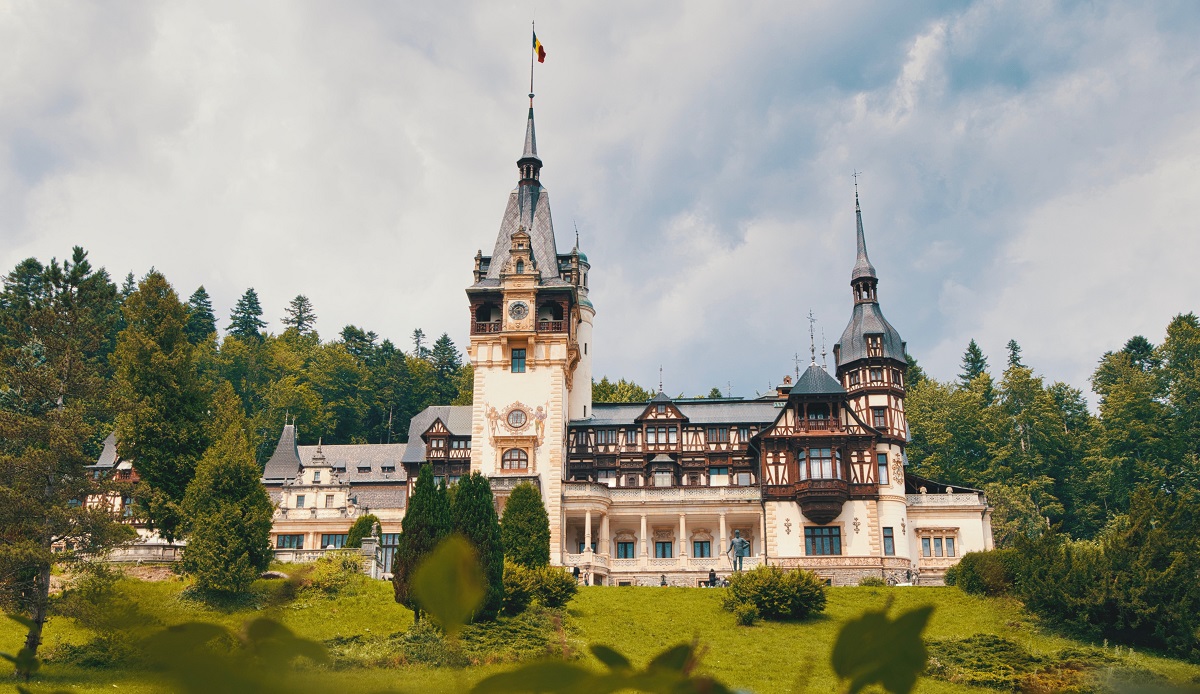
951 576
518 588
777 593
335 571
553 587
746 614
988 573
363 527
872 582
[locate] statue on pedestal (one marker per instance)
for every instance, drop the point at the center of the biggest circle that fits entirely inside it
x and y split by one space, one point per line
740 547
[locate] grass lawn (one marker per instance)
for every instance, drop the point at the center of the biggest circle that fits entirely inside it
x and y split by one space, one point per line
639 622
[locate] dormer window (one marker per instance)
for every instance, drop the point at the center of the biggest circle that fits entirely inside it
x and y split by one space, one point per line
874 345
662 409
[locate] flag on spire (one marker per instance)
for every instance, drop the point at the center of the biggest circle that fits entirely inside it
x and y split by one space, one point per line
539 49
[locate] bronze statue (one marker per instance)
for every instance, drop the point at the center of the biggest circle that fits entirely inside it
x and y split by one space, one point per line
740 547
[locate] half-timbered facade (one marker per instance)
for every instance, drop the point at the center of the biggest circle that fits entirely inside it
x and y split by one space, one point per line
812 475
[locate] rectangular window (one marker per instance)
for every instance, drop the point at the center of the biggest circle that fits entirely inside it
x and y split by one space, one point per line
718 471
925 547
702 549
334 541
673 435
889 542
518 361
664 550
876 374
299 501
328 501
289 541
439 480
459 443
743 479
453 479
387 469
718 435
363 469
651 439
606 475
581 546
853 378
822 541
437 443
663 479
316 476
879 417
606 436
661 409
937 546
881 460
801 465
625 550
387 548
821 463
631 437
949 547
743 434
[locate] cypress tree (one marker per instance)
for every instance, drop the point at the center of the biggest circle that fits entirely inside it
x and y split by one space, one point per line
226 506
363 527
473 511
201 323
426 523
246 320
525 527
160 401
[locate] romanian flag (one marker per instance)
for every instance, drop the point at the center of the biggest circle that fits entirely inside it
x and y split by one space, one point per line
539 49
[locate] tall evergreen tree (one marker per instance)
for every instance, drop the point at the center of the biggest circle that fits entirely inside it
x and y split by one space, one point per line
621 391
426 523
447 363
473 511
227 508
525 527
1141 353
160 400
245 322
128 287
359 343
53 402
420 351
201 323
1014 354
974 364
300 315
914 374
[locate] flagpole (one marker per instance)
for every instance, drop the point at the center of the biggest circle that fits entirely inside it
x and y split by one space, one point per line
533 28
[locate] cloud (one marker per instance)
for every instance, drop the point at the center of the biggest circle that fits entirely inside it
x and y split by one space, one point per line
360 154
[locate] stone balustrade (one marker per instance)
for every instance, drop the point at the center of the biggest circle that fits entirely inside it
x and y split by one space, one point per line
584 490
957 499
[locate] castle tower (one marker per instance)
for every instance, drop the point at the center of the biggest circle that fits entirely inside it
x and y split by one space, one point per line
530 347
871 366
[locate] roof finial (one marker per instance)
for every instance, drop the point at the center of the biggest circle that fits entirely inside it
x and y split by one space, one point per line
796 363
576 234
660 387
855 176
812 342
824 362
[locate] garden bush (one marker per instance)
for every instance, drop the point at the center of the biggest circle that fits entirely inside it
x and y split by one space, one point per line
746 614
518 587
548 586
777 593
872 582
988 573
951 576
334 572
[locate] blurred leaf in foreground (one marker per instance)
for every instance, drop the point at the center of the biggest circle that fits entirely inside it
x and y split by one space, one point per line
874 649
449 584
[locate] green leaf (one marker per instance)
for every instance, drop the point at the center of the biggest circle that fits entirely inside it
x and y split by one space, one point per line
546 676
674 659
611 658
876 650
278 646
449 584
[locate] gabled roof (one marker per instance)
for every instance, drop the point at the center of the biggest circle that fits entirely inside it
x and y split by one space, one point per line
817 381
457 419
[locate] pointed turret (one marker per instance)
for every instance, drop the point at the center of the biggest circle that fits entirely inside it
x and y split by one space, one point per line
285 461
530 164
863 267
868 334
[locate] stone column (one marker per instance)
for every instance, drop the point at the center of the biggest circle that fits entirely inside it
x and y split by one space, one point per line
604 536
683 553
724 539
587 531
762 531
645 556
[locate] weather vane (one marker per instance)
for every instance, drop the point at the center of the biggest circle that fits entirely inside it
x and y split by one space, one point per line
812 340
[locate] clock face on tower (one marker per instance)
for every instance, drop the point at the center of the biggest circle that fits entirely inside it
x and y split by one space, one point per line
518 310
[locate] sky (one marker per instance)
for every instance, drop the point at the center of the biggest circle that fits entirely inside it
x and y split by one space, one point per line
1029 171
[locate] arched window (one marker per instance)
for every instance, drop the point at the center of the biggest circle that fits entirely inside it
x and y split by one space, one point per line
514 459
520 267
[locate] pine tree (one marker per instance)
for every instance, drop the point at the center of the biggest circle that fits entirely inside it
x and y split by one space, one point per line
128 287
420 351
974 365
426 523
226 506
473 511
246 321
300 315
362 527
160 401
1014 355
201 323
914 374
525 527
447 363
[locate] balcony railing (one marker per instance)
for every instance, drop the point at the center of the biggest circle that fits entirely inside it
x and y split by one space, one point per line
642 494
484 327
551 326
971 499
821 424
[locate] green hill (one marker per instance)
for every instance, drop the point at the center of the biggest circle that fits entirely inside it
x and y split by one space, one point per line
971 639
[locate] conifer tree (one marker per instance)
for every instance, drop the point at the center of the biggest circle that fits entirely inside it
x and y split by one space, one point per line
914 374
128 287
226 506
473 511
201 323
525 527
974 364
447 363
420 351
246 321
160 401
426 523
362 527
1014 355
300 315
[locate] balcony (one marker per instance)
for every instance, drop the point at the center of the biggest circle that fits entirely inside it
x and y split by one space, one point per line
821 424
821 500
586 490
972 499
551 326
485 327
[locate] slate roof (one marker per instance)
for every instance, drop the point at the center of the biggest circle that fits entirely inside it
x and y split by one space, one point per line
817 381
457 419
867 319
108 455
370 497
697 412
345 459
284 463
863 266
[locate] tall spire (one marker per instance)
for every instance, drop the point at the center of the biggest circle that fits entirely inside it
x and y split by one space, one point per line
863 266
529 164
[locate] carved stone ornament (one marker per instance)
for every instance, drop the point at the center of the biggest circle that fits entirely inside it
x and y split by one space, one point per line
787 526
626 536
897 469
856 525
664 534
702 535
516 417
903 527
